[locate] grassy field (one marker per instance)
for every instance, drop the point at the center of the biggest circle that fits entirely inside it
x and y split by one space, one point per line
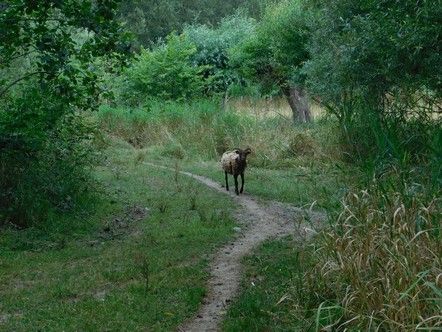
385 225
136 256
269 294
139 263
300 165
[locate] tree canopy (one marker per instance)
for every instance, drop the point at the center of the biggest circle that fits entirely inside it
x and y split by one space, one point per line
276 53
48 75
150 20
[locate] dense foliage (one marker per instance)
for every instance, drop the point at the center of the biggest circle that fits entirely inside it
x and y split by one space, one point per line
277 51
193 64
376 49
46 54
165 72
377 67
275 55
213 45
151 20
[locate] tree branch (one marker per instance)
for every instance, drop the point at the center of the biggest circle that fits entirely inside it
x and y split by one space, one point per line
3 92
17 57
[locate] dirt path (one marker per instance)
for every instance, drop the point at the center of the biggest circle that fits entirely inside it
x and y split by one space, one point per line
258 223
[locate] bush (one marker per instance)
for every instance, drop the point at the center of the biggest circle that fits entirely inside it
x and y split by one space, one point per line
364 50
213 46
47 50
165 73
45 160
376 66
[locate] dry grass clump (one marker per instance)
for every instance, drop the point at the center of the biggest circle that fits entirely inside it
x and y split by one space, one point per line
382 263
264 108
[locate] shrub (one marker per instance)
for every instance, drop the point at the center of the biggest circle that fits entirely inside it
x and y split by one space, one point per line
165 73
45 161
47 50
376 66
213 46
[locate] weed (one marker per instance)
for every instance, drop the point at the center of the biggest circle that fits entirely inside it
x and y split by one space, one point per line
176 175
201 131
193 201
162 204
377 266
382 253
142 265
202 213
140 156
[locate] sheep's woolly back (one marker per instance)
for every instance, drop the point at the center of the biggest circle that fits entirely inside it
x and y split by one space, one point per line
228 161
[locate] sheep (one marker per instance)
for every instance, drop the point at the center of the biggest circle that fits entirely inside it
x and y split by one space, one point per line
234 162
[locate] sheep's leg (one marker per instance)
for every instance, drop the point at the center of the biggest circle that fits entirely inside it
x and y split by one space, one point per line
236 183
242 183
227 181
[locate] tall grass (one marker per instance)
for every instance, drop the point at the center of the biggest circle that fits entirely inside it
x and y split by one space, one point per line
200 130
381 265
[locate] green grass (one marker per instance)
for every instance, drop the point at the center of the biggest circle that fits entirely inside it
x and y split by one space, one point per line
274 297
264 304
87 273
301 185
370 210
93 279
378 265
200 131
301 165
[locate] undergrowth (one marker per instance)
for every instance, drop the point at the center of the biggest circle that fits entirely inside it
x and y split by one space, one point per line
201 131
376 267
380 266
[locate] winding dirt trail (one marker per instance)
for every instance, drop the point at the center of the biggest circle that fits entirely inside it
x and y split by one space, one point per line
258 222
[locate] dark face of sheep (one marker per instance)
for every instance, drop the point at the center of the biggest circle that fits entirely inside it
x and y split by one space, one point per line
242 157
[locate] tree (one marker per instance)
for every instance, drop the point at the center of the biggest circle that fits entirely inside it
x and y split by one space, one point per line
368 52
275 55
376 65
212 50
165 72
47 53
151 20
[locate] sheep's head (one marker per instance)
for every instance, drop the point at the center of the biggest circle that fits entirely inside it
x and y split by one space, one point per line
242 154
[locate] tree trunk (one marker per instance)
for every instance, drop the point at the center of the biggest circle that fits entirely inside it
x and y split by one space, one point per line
299 104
